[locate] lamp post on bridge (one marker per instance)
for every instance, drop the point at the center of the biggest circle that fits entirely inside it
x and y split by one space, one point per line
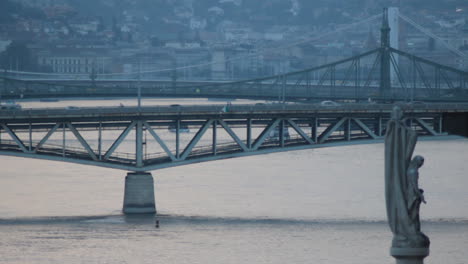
139 85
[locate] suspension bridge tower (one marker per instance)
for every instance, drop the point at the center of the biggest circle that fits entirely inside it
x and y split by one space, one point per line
393 21
385 81
389 39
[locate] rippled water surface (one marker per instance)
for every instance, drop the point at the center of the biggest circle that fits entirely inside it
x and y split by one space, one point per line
312 206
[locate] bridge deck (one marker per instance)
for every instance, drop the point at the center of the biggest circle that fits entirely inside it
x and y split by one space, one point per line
202 111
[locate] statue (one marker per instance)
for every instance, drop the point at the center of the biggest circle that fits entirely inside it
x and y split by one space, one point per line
402 194
415 195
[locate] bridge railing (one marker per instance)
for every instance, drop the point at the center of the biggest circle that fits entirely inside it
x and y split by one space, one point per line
219 109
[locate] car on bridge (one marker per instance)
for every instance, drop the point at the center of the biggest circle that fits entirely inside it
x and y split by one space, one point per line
71 107
184 128
275 134
329 103
10 105
416 103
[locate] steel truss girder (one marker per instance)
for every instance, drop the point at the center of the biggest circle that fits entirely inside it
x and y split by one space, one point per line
325 128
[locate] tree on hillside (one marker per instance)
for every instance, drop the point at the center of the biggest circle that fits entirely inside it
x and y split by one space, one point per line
9 10
18 56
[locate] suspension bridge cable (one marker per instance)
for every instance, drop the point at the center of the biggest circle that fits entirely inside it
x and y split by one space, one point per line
263 51
257 54
432 35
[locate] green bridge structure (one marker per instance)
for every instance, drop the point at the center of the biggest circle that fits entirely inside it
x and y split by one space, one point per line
384 74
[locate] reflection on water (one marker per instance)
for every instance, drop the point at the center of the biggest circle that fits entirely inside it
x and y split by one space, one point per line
150 219
184 239
311 206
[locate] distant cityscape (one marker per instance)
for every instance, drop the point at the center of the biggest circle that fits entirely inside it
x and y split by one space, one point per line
226 39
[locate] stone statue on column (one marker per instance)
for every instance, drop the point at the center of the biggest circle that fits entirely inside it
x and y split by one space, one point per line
402 194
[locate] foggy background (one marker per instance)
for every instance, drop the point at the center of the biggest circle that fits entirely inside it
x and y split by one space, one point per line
224 39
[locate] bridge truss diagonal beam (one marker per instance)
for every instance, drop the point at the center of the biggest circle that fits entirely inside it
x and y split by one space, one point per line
233 135
426 127
265 133
82 141
160 141
195 139
365 128
15 138
119 140
300 131
332 128
47 136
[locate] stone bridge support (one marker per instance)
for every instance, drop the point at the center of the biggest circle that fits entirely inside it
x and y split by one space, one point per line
139 194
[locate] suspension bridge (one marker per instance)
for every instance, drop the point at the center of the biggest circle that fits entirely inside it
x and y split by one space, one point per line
384 74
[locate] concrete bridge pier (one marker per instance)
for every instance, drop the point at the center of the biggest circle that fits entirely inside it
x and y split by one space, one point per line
139 194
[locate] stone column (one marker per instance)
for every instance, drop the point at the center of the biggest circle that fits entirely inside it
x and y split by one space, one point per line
139 194
409 255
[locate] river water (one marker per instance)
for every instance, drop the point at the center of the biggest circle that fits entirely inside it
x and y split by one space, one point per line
321 205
